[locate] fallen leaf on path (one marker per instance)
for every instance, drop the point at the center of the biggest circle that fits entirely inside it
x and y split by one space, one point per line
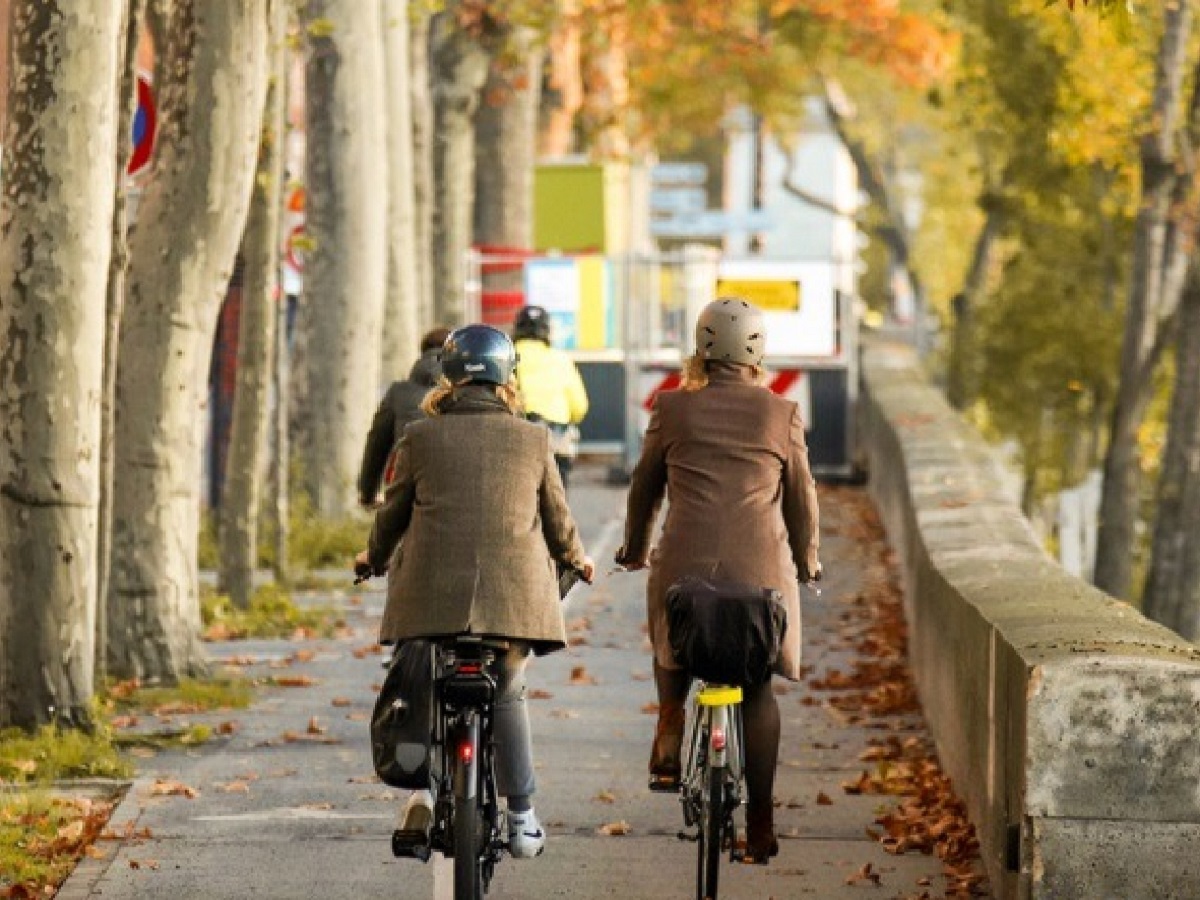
235 787
539 694
823 799
650 708
125 722
358 717
227 728
342 701
564 714
605 796
94 852
580 676
151 864
292 681
864 873
615 829
315 727
640 676
168 788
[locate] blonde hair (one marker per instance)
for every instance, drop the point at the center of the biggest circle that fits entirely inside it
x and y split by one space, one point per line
695 373
445 389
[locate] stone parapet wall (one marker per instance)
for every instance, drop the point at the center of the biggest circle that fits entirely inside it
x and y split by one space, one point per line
1069 722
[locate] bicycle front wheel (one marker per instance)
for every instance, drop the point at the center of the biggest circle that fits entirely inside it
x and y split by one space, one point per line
468 881
712 826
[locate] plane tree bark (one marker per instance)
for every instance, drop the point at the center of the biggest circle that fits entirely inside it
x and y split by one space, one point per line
402 303
346 272
245 466
459 61
190 221
56 219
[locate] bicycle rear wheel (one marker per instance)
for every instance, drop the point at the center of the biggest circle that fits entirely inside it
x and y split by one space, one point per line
711 836
468 871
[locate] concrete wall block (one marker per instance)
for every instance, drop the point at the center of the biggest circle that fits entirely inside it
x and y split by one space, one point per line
1114 740
1050 702
1073 859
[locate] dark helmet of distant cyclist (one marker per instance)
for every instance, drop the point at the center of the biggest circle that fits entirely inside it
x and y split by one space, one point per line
532 323
478 353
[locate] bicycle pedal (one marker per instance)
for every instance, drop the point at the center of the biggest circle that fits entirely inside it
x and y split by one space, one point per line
685 836
411 845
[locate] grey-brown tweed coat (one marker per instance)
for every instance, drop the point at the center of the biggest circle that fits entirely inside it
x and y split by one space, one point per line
733 463
477 499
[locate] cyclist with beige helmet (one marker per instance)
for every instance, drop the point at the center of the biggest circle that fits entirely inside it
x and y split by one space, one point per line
733 458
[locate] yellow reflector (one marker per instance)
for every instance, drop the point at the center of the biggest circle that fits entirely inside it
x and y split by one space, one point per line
719 696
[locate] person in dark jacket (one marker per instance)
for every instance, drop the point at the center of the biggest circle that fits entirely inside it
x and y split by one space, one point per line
475 517
399 406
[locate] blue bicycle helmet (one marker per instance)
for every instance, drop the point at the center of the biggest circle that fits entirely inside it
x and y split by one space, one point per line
478 353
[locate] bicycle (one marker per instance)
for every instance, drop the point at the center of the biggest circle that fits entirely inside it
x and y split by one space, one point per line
711 785
467 821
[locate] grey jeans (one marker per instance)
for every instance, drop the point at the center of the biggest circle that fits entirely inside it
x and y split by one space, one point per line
514 743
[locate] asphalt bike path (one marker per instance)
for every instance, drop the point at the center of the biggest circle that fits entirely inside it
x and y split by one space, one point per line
287 806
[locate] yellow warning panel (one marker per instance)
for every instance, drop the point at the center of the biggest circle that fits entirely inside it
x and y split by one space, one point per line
773 295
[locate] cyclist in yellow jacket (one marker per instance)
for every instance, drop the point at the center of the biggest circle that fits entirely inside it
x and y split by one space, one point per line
551 387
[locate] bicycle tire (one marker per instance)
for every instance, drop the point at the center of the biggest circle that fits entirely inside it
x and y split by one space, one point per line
711 839
468 871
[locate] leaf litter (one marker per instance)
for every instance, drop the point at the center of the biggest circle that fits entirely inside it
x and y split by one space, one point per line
878 691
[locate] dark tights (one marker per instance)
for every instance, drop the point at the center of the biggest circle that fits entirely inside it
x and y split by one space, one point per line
760 716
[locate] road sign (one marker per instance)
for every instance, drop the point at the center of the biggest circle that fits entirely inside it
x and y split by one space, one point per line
683 173
711 223
145 124
773 295
294 249
678 200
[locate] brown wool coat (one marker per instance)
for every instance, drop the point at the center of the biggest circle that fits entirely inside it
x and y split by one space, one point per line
482 512
732 460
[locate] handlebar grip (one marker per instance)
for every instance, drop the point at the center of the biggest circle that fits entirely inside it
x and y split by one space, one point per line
568 577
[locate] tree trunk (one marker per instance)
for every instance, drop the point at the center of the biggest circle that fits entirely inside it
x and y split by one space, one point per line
114 304
505 138
1122 483
245 465
401 319
961 386
459 67
189 224
422 120
1172 594
347 221
56 218
563 96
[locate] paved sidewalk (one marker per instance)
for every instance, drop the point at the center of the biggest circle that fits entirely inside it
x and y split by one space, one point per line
287 806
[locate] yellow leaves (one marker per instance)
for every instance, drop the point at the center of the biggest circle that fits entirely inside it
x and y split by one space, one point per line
321 28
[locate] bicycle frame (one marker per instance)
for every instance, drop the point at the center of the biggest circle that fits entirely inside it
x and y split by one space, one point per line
465 767
711 785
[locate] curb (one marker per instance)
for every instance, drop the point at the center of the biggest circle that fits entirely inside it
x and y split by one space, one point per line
88 871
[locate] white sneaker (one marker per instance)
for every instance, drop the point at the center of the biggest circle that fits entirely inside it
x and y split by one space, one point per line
526 838
417 813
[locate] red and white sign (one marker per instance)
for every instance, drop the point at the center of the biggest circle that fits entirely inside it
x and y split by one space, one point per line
144 126
790 383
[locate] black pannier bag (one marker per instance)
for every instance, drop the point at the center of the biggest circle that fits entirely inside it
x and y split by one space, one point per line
402 723
724 632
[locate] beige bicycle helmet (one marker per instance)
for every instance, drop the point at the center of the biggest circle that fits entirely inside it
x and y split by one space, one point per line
731 329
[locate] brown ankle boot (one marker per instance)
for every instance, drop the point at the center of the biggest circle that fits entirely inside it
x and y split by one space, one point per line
761 843
666 754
